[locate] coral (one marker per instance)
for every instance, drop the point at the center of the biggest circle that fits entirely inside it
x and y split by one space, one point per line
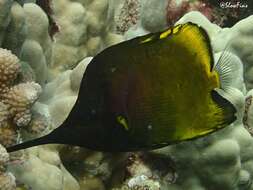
44 161
7 182
222 160
176 10
36 49
9 68
4 158
4 113
9 134
46 6
90 183
4 17
38 124
20 33
84 31
145 171
16 100
77 73
15 32
248 114
153 15
217 12
128 16
20 98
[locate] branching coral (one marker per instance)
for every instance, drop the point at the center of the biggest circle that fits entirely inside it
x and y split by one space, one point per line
38 124
20 98
16 100
248 113
4 113
9 68
7 180
176 9
4 158
8 134
128 16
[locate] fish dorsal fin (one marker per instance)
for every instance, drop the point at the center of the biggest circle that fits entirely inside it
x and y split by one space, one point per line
189 36
226 67
160 35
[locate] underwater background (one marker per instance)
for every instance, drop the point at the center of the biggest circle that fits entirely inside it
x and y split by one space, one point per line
45 47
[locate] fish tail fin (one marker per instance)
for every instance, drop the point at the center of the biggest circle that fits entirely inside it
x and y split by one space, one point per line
31 143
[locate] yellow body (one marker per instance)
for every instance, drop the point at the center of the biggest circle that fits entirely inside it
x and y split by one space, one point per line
170 99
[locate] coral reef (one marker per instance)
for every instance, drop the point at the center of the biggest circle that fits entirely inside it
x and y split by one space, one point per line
40 83
19 99
16 99
222 13
248 114
7 180
84 31
176 9
9 68
21 33
9 134
128 16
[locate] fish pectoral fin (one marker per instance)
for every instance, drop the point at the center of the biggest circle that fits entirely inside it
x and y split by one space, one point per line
226 68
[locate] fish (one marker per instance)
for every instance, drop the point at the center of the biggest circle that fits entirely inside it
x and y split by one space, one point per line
147 93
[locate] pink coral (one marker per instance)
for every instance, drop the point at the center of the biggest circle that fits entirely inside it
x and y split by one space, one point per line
176 10
128 15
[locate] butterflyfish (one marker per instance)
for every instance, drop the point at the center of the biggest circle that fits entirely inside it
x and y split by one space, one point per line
146 93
